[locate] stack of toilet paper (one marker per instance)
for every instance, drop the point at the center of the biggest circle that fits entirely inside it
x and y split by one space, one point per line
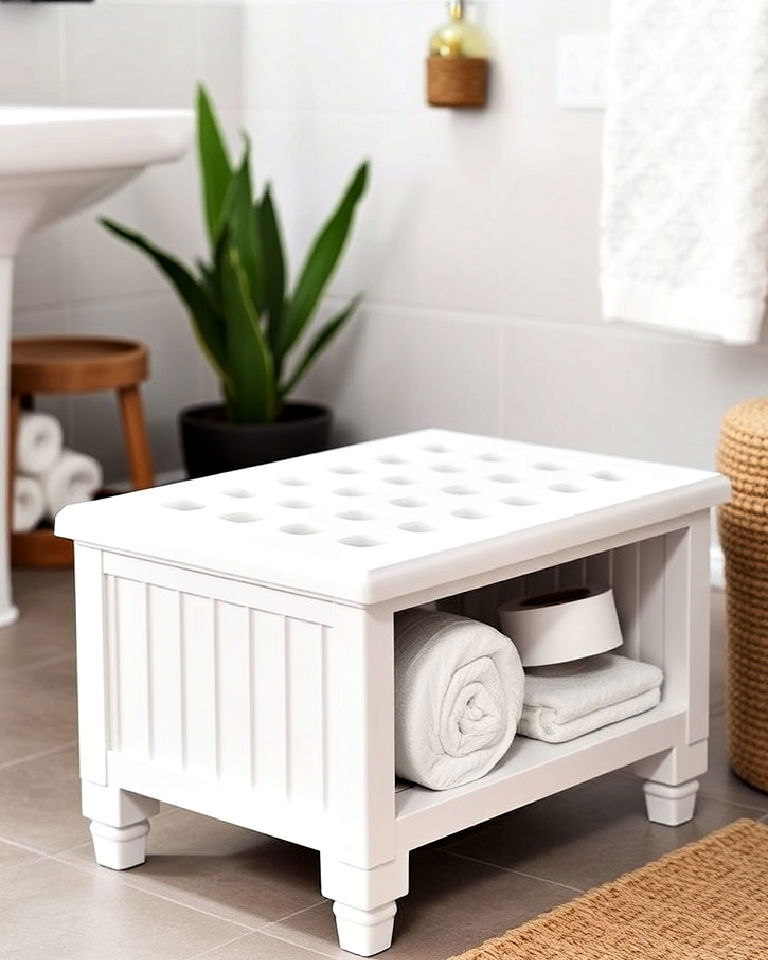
48 476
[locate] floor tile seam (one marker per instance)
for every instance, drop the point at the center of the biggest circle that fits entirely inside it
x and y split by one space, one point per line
518 873
294 913
37 665
93 868
9 868
220 946
39 755
41 854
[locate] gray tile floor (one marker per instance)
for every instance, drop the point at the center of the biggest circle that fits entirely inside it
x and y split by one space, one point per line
212 890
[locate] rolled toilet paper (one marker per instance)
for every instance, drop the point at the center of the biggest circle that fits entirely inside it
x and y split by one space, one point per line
38 442
73 478
28 504
563 625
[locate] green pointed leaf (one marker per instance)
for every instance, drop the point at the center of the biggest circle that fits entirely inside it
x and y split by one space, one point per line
274 271
215 166
251 395
321 261
206 321
240 221
318 343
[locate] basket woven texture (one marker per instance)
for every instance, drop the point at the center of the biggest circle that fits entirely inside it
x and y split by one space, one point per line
743 457
457 81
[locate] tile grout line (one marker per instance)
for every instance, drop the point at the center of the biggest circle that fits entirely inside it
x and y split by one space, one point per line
40 755
220 946
90 869
296 913
519 873
51 661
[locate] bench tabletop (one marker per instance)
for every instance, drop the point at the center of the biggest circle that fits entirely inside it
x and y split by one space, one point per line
384 518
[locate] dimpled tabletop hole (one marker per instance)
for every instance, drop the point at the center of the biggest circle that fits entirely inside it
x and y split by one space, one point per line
299 529
469 514
293 482
296 504
566 488
417 526
239 493
400 481
184 505
392 460
436 448
344 470
446 468
356 515
607 475
505 478
459 490
519 502
408 502
360 542
239 517
349 492
547 466
491 457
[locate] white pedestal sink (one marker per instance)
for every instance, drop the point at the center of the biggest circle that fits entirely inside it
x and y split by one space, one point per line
54 161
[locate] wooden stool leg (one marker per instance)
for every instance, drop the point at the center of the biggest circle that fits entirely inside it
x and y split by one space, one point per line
136 439
14 412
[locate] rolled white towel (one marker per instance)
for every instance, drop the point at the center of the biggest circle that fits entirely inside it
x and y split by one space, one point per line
458 697
38 443
28 504
74 477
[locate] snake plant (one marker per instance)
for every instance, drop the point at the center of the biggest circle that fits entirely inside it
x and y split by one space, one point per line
253 330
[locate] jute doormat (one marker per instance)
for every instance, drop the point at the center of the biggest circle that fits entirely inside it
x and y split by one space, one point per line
705 901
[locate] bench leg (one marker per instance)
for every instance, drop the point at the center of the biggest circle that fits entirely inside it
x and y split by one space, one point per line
119 825
364 902
670 806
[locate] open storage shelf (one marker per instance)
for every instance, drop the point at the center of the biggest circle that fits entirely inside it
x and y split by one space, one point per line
533 769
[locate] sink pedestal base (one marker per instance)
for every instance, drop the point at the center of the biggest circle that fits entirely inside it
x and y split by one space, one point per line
8 612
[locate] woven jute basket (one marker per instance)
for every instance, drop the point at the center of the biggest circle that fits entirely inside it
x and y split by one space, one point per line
457 81
743 523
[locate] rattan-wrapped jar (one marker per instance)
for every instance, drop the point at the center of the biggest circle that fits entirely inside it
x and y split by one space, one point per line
743 523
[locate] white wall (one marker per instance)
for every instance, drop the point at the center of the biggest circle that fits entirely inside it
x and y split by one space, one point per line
476 248
74 277
478 243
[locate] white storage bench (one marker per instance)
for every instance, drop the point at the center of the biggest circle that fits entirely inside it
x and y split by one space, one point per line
235 641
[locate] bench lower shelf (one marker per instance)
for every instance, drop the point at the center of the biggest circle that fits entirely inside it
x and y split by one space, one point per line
531 770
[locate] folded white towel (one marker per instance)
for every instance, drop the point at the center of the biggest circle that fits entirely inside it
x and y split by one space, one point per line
564 702
38 443
458 696
74 478
28 504
685 167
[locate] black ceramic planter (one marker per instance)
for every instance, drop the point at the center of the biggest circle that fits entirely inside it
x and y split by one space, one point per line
212 444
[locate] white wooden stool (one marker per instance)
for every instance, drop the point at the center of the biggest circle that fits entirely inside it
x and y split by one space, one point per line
235 641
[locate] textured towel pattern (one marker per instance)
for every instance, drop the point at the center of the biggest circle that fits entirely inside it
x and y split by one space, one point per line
685 203
458 696
562 703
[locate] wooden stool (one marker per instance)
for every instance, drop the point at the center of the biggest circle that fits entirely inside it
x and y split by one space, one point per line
76 364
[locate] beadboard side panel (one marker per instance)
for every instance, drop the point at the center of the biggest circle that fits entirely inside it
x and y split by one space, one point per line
218 691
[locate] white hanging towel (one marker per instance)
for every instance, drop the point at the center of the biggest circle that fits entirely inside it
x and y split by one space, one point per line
685 196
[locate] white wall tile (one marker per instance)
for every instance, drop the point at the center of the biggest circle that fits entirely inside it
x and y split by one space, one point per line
143 55
30 63
619 390
395 370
